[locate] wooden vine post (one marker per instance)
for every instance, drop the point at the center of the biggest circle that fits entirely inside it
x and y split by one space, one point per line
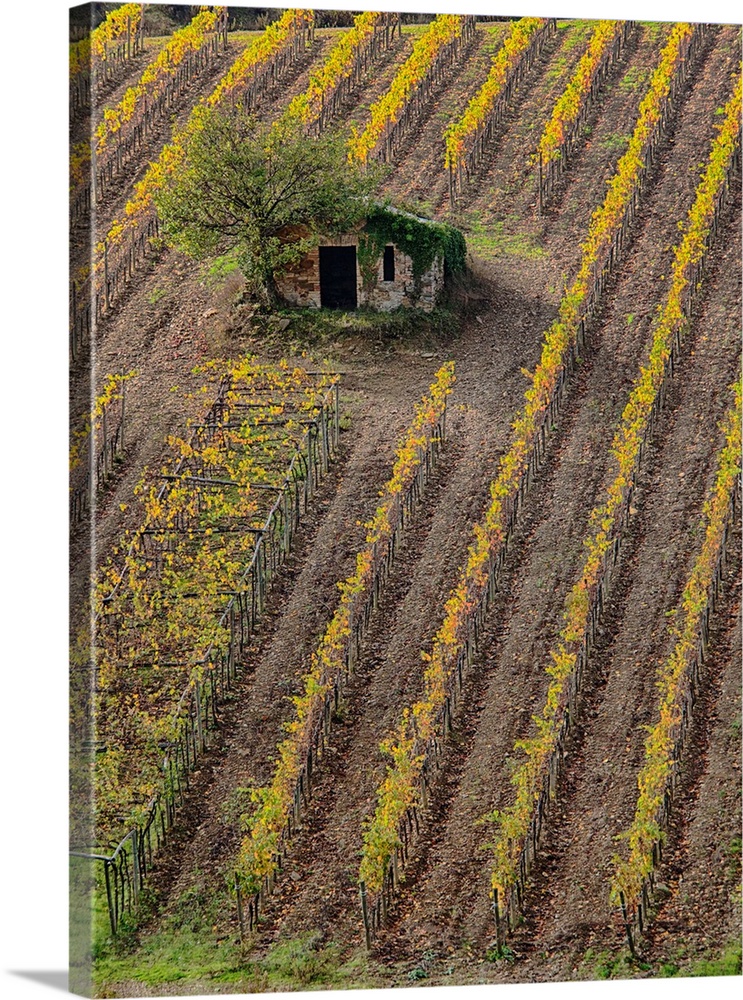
541 181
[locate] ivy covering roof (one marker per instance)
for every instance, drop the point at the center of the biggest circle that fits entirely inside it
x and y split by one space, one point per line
423 240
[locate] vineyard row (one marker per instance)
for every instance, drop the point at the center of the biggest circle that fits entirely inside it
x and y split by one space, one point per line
680 679
391 117
278 806
466 139
415 748
350 57
605 48
104 53
185 603
95 164
519 826
129 242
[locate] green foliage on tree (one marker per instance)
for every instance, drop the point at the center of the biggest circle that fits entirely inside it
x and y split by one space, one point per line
262 193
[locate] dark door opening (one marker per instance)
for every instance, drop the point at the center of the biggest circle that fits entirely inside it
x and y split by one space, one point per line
388 264
338 277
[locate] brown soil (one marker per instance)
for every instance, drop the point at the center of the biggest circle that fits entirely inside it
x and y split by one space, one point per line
571 910
444 911
564 498
702 872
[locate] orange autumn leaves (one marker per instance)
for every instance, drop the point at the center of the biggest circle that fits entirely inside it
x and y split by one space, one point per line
406 746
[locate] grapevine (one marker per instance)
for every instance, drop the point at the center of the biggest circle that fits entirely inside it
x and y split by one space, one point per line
96 443
265 57
435 49
571 108
120 23
515 825
677 680
464 137
342 69
113 42
402 787
159 607
571 100
276 803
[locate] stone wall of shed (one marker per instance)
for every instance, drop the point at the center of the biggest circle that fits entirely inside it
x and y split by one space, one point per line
301 285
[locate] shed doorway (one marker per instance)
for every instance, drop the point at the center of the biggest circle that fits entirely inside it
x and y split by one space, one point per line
338 277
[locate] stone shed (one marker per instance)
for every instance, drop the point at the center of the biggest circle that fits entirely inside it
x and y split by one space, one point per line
392 259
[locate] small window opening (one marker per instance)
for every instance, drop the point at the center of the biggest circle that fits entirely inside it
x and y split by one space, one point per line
388 272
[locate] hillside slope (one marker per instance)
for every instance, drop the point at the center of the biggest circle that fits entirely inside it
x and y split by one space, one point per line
441 929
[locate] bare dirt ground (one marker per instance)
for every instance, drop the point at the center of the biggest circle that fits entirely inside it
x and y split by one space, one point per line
701 912
571 910
164 324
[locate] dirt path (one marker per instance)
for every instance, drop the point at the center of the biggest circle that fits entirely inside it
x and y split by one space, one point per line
564 498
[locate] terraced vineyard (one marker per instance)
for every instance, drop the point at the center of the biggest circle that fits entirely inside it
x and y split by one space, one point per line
480 719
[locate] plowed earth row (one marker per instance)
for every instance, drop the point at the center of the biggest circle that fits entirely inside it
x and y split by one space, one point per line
568 910
441 922
600 802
